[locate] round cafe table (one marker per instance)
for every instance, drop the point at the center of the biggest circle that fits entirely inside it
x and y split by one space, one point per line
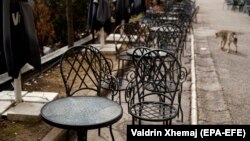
81 113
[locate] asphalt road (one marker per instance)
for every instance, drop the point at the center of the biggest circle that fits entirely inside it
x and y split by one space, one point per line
231 90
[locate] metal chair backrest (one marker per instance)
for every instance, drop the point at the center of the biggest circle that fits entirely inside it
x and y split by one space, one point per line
84 68
170 34
160 71
129 35
128 32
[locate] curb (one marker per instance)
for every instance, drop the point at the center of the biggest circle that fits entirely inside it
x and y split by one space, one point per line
58 134
194 118
55 134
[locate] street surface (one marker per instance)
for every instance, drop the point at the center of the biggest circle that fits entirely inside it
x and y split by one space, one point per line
222 78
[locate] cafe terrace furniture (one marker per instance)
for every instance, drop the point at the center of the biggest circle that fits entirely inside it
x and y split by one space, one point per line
85 67
153 90
128 35
82 113
85 72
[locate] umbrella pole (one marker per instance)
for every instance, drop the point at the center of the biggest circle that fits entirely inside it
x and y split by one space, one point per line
18 89
102 36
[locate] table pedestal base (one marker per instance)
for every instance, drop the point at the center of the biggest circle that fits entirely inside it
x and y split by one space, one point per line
82 135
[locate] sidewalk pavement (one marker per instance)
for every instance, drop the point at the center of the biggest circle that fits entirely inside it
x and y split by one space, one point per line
222 78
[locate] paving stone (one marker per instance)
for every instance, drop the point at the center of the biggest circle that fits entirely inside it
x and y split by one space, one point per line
4 106
42 97
107 48
9 95
24 112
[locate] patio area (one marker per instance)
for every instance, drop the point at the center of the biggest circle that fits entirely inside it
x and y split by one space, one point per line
110 51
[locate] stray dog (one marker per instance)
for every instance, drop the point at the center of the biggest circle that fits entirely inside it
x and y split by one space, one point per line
227 36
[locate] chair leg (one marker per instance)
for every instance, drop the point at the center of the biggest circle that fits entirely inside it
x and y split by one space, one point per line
168 122
110 130
180 111
118 71
119 94
114 93
111 133
112 97
99 131
118 75
127 96
133 120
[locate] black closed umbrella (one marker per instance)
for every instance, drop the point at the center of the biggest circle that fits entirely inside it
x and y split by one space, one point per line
92 23
19 40
99 17
103 11
20 43
122 11
3 67
98 14
137 7
103 15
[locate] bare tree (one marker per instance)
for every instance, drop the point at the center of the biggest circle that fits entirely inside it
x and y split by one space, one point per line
70 27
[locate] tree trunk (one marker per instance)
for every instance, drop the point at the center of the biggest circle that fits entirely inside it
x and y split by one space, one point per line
70 27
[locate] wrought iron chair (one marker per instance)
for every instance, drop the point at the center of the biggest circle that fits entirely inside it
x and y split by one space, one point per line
158 78
85 71
176 50
156 19
170 37
129 36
